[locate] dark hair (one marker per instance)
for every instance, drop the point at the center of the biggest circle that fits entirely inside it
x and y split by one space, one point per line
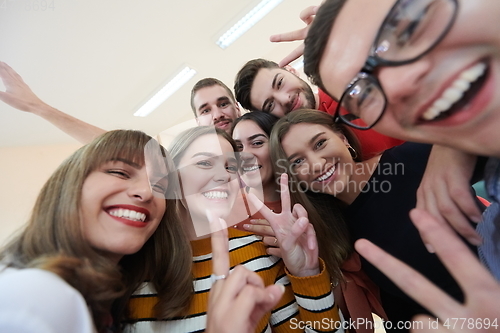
264 120
53 238
209 82
244 80
317 38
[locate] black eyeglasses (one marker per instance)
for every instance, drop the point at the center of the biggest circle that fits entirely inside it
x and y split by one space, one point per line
411 29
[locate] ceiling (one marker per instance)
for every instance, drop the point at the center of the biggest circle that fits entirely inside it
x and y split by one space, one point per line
98 60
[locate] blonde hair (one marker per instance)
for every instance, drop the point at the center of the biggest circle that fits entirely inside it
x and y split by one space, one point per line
53 239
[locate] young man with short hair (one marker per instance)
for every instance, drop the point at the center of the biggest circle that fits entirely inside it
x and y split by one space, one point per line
424 71
213 103
261 85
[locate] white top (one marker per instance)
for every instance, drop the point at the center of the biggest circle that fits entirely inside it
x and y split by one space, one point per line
35 300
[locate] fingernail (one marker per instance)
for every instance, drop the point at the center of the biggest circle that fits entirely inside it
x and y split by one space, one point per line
258 237
247 226
302 222
282 287
477 218
254 221
429 248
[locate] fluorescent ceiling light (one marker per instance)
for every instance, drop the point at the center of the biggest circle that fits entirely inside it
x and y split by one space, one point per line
258 12
165 92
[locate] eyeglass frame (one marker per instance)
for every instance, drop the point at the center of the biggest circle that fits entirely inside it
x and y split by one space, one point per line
374 61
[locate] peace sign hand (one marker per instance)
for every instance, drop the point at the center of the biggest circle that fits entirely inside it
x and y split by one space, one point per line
296 236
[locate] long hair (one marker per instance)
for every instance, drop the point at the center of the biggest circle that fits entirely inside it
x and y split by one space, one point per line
325 211
53 238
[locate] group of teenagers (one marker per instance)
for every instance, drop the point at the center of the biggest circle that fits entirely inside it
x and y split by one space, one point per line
299 210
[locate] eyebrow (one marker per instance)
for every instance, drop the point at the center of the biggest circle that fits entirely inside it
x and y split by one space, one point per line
123 160
204 153
220 99
310 142
256 136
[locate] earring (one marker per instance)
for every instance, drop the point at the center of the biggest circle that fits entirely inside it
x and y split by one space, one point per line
353 152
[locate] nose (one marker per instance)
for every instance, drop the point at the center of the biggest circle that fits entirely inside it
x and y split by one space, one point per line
401 82
317 163
140 188
217 113
283 98
221 175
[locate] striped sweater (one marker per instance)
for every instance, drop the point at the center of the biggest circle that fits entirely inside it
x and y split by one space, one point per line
306 299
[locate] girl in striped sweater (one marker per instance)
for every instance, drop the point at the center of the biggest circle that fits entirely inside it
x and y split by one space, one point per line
207 165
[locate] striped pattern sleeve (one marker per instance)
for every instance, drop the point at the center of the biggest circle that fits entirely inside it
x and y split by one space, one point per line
308 305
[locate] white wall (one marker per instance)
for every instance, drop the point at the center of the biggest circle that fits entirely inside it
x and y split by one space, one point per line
23 171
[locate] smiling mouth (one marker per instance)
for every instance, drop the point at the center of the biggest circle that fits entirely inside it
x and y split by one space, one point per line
214 195
459 94
128 214
327 174
251 168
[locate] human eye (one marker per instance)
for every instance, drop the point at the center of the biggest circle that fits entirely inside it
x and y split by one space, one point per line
269 106
280 83
320 144
224 104
204 164
121 173
239 147
232 168
257 143
409 30
296 162
159 187
204 111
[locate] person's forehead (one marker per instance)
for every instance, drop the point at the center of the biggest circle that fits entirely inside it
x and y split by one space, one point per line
351 37
246 128
210 95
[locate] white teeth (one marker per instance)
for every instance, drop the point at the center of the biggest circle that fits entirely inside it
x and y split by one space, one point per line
215 195
252 168
455 92
327 174
128 214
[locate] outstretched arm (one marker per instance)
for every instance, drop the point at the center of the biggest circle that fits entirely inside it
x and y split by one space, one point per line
481 309
20 96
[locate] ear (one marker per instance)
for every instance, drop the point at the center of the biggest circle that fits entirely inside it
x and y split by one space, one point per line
238 110
292 70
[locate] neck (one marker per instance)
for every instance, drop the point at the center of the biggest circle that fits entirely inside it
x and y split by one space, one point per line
271 191
359 179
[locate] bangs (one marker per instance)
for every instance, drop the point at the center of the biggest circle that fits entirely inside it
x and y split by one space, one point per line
129 145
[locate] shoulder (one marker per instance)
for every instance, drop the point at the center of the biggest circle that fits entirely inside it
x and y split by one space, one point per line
30 297
414 156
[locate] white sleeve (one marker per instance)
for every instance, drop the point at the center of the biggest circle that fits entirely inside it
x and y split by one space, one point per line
34 300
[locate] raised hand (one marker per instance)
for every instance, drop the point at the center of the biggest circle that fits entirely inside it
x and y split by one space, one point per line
295 235
445 191
237 302
481 309
307 16
17 93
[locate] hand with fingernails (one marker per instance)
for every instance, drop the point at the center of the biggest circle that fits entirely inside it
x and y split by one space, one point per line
237 301
294 235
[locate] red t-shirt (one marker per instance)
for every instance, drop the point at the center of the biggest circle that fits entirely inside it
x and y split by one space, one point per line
372 142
